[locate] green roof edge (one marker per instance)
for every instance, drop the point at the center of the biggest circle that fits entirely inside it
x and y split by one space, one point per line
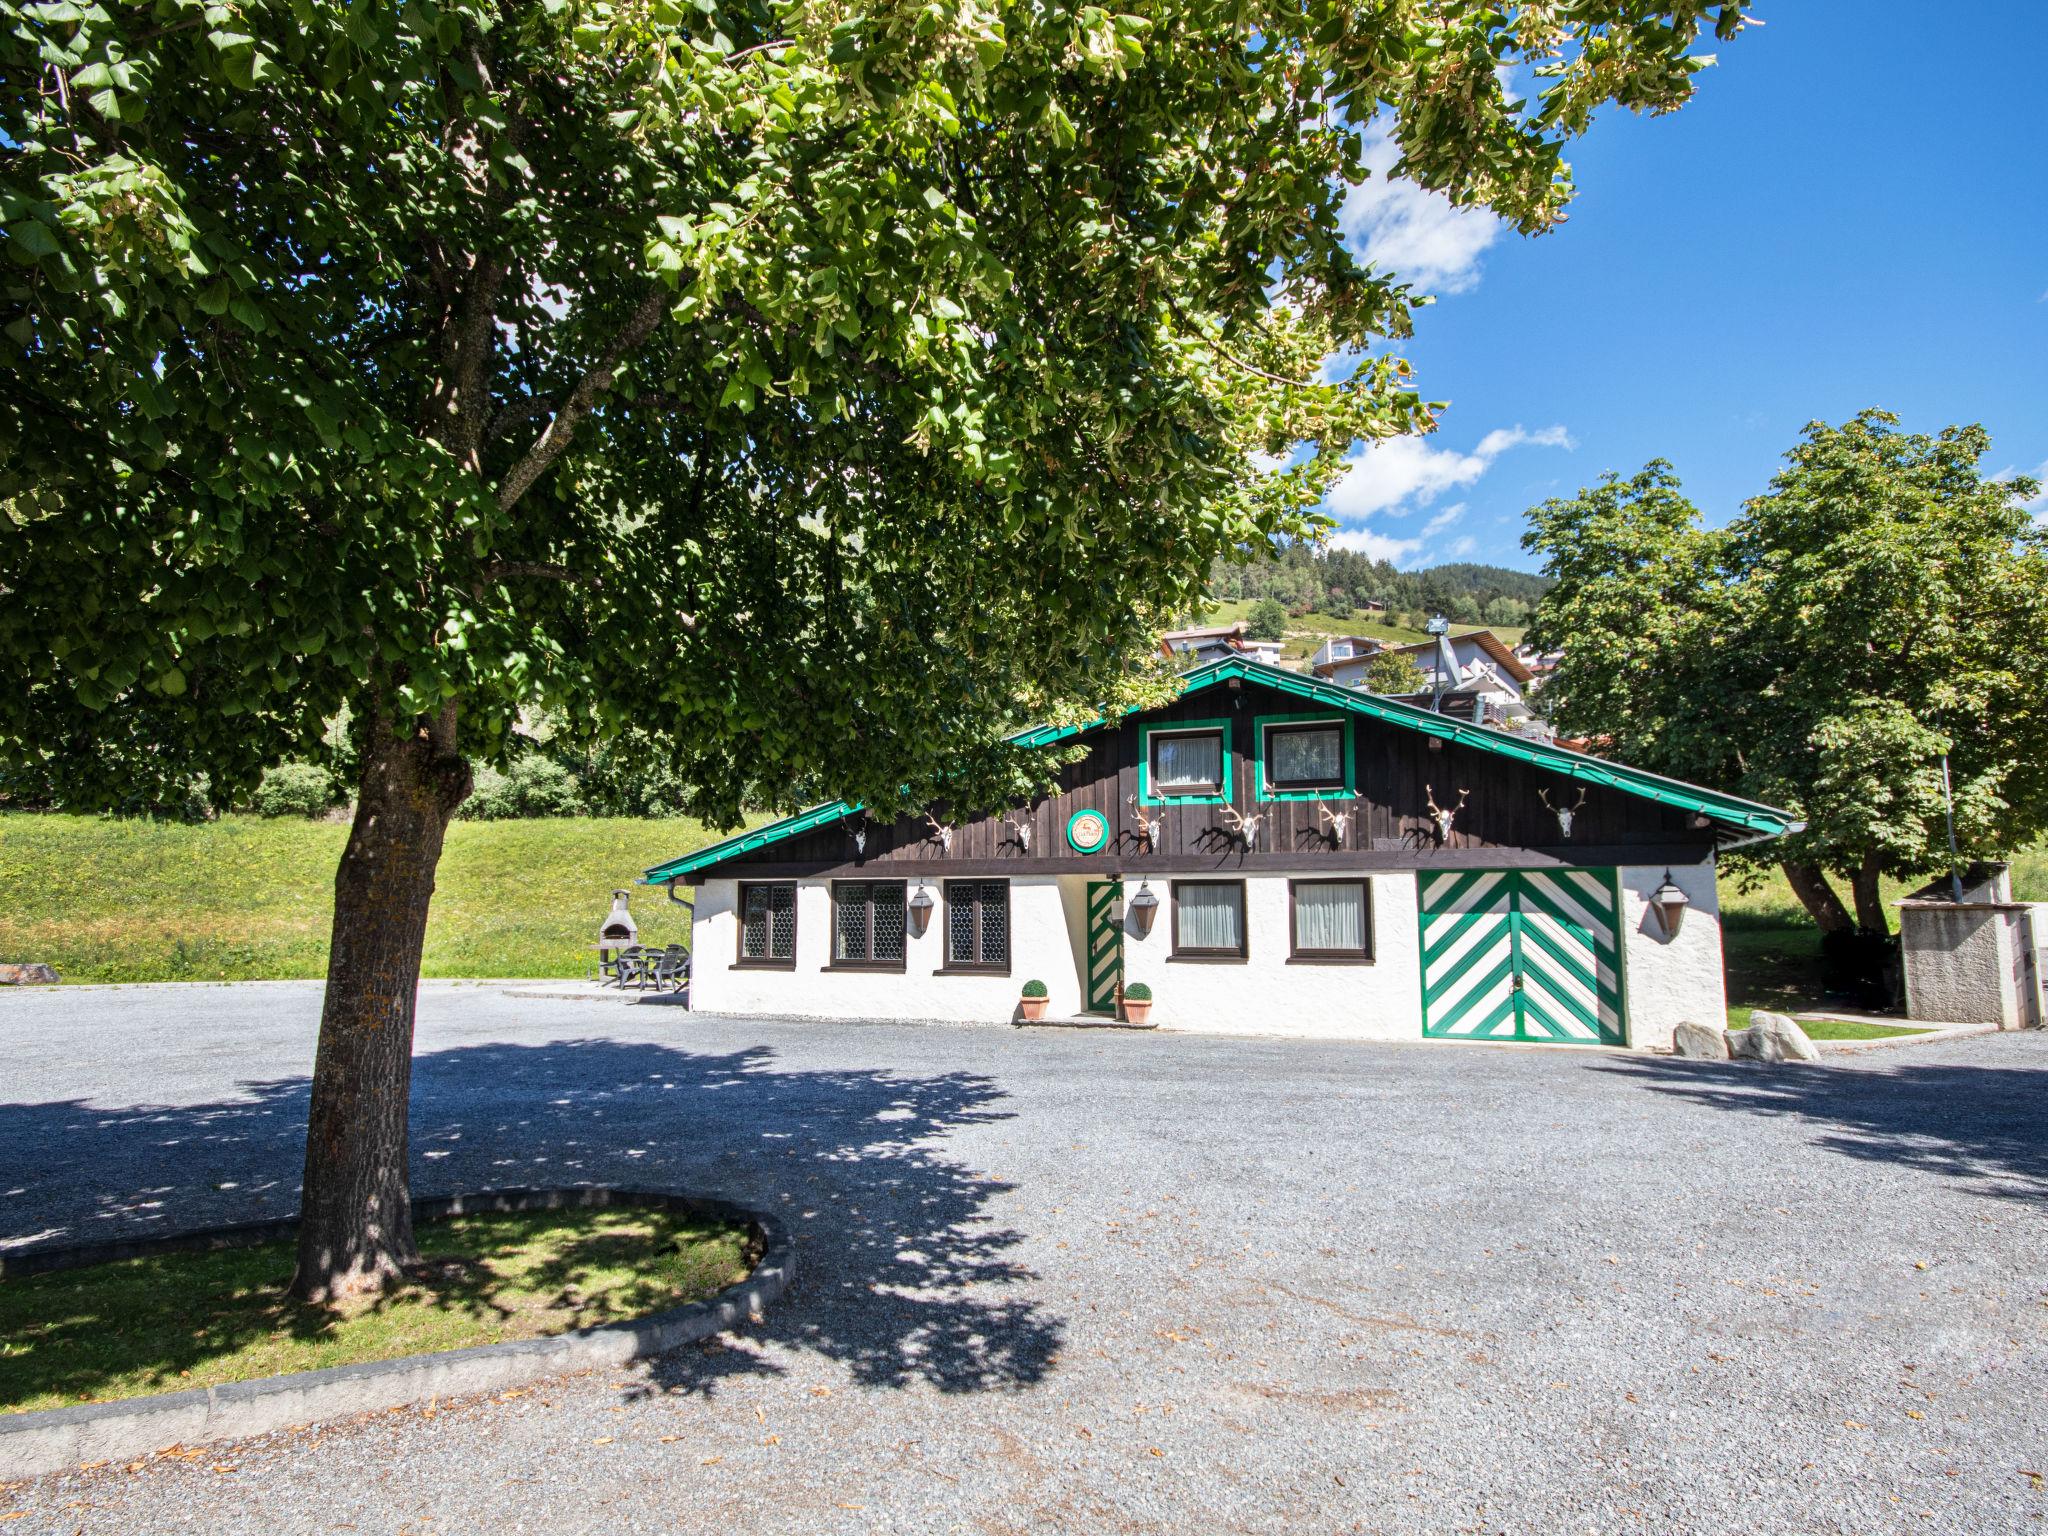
1754 817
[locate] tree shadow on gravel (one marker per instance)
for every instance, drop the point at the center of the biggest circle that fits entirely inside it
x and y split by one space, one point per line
900 1268
1982 1125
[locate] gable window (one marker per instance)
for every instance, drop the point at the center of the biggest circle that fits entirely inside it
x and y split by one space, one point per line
768 924
1188 763
1305 757
1208 920
978 925
1331 919
867 925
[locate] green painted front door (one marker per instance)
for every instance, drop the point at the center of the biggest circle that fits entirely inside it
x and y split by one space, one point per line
1522 954
1105 944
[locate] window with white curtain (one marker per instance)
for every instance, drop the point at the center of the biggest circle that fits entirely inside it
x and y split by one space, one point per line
1305 757
1208 918
1187 762
1332 919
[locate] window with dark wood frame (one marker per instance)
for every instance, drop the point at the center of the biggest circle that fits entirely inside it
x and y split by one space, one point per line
768 925
978 926
1201 925
868 925
1163 781
1330 926
1277 734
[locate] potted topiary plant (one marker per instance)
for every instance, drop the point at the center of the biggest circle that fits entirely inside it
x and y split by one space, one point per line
1137 1003
1032 1006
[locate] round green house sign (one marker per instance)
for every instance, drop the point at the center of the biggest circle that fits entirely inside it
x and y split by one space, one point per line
1087 831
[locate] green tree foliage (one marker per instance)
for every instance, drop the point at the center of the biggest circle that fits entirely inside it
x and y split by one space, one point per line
1266 621
1881 605
1305 574
1391 672
828 389
532 786
293 789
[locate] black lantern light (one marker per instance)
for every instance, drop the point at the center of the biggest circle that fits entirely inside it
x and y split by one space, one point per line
1144 907
921 905
1669 903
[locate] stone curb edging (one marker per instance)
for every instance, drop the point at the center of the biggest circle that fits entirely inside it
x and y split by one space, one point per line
1933 1035
59 1439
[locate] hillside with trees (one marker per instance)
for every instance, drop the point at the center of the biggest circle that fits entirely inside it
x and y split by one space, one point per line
1302 577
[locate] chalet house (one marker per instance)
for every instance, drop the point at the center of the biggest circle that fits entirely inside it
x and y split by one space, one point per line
1482 670
1193 647
1270 853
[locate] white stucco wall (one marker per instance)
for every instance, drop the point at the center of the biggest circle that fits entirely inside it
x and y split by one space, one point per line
1664 980
1039 947
1268 994
1669 980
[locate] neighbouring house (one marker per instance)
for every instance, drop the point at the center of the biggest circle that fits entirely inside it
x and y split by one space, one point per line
1482 671
1270 853
1346 648
1193 647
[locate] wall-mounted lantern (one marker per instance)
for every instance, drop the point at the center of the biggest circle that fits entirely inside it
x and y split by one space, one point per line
1144 907
921 905
1669 903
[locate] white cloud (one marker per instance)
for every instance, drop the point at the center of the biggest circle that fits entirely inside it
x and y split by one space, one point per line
1415 234
1376 545
1401 473
1444 519
2038 503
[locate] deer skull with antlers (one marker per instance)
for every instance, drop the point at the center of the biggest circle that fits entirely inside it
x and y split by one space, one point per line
1339 822
1020 830
941 833
1244 828
1564 813
1444 816
1148 826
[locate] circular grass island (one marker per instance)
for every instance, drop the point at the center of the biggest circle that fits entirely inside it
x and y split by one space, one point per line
116 1348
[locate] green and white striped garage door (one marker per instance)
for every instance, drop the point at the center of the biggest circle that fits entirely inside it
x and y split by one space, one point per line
1522 954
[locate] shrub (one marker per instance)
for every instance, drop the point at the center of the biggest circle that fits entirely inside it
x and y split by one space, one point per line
293 789
1034 989
1266 621
532 786
1137 992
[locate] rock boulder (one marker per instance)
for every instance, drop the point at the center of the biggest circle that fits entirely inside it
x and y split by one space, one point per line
1700 1042
34 973
1772 1037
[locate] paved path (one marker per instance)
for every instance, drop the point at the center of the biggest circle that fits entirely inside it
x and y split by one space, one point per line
1113 1282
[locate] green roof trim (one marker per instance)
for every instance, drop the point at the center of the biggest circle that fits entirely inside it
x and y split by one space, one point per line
1749 816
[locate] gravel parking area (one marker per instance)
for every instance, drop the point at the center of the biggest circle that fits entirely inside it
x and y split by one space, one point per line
1100 1281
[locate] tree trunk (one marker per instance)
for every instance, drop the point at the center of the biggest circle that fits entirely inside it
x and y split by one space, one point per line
1810 884
1866 886
355 1228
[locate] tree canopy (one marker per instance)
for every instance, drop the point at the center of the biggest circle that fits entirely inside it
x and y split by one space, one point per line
1880 606
821 390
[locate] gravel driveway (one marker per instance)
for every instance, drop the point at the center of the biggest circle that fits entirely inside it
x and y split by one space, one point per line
1099 1281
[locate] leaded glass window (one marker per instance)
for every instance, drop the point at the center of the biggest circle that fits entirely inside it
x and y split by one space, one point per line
768 923
868 922
1305 757
978 924
1208 918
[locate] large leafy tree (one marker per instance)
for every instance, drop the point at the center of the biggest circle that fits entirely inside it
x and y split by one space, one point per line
820 388
1878 611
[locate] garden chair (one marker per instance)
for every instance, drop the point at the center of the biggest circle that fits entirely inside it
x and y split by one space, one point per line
672 965
622 967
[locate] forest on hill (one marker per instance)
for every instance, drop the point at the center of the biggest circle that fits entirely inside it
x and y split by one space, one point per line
1337 582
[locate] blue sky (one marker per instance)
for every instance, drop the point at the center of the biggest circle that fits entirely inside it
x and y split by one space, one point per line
1853 211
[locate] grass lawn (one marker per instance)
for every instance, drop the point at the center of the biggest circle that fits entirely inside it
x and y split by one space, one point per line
249 899
202 1319
1831 1029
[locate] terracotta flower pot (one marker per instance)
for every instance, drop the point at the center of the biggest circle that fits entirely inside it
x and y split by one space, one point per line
1137 1013
1032 1007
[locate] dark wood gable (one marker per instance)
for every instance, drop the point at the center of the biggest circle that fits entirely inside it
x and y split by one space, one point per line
1394 771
